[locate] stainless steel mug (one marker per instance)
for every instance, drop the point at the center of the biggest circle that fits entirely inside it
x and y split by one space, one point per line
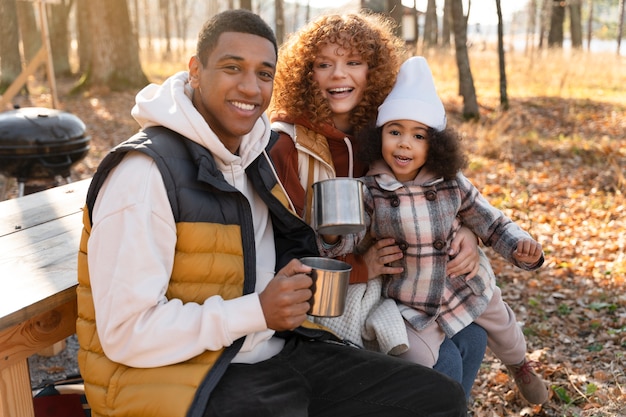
337 207
330 286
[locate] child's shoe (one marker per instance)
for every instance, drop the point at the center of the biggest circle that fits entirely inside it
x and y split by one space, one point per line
530 385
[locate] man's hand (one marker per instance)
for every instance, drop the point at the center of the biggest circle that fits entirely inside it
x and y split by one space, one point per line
379 255
285 300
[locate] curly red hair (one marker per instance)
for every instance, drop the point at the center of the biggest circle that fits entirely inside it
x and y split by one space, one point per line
370 35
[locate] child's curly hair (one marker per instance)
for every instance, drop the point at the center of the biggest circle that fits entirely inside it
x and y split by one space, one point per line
370 35
445 158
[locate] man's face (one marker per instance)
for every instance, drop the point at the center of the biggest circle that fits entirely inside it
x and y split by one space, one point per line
234 88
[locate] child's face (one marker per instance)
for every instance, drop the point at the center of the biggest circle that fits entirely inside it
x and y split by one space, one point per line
405 147
342 77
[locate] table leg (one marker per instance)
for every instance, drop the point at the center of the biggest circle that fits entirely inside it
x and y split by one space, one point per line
16 398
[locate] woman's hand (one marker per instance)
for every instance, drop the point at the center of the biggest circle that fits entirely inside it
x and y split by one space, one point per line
464 257
379 255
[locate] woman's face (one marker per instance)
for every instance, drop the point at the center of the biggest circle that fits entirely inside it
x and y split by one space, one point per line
342 77
405 147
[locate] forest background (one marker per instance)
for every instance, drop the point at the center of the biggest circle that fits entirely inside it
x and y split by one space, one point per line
552 156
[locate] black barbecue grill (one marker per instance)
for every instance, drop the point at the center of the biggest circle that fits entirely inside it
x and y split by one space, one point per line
40 143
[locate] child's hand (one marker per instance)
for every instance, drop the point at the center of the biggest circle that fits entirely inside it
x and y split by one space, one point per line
528 251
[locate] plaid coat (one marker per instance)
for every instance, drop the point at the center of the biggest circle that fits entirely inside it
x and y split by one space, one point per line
423 216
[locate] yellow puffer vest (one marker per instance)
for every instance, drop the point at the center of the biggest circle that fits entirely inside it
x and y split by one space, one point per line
182 389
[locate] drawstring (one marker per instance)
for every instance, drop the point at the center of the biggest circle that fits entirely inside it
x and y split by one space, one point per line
350 158
232 172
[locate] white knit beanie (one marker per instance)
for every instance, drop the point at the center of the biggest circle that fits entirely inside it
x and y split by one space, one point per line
413 97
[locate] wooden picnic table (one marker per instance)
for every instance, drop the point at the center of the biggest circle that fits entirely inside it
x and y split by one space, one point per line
39 237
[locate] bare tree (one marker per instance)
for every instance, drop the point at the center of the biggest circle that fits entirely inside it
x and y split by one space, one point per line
446 28
147 24
280 21
544 21
58 24
164 6
532 24
620 26
555 36
116 64
575 22
29 29
431 27
83 34
589 24
183 12
504 98
395 10
466 81
133 10
10 61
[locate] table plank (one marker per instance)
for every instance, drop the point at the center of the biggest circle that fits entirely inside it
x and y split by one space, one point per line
33 209
38 268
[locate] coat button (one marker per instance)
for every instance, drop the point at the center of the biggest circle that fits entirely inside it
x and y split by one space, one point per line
395 202
431 195
439 244
403 246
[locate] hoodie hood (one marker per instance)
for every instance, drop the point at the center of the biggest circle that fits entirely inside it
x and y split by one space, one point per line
169 105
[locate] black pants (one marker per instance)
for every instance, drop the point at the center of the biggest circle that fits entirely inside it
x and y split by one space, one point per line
323 379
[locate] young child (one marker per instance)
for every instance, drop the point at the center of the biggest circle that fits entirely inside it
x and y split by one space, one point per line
416 193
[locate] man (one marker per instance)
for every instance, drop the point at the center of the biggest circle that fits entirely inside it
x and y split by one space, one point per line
181 310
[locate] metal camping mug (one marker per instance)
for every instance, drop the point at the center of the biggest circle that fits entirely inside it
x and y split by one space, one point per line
330 286
337 207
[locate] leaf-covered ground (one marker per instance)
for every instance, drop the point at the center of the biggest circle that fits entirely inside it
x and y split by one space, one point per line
556 165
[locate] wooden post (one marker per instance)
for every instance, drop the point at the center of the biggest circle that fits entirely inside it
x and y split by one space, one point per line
45 40
45 53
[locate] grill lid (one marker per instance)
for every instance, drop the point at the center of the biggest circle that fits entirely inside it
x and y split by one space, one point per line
40 131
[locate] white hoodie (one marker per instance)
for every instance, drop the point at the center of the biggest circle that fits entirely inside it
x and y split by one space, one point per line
131 249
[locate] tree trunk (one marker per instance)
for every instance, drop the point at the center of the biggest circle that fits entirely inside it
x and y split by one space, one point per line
147 25
183 12
446 28
395 11
532 25
555 36
544 23
164 13
10 61
575 21
620 26
29 29
134 18
245 4
466 81
280 21
504 99
58 24
431 27
116 64
83 33
589 25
